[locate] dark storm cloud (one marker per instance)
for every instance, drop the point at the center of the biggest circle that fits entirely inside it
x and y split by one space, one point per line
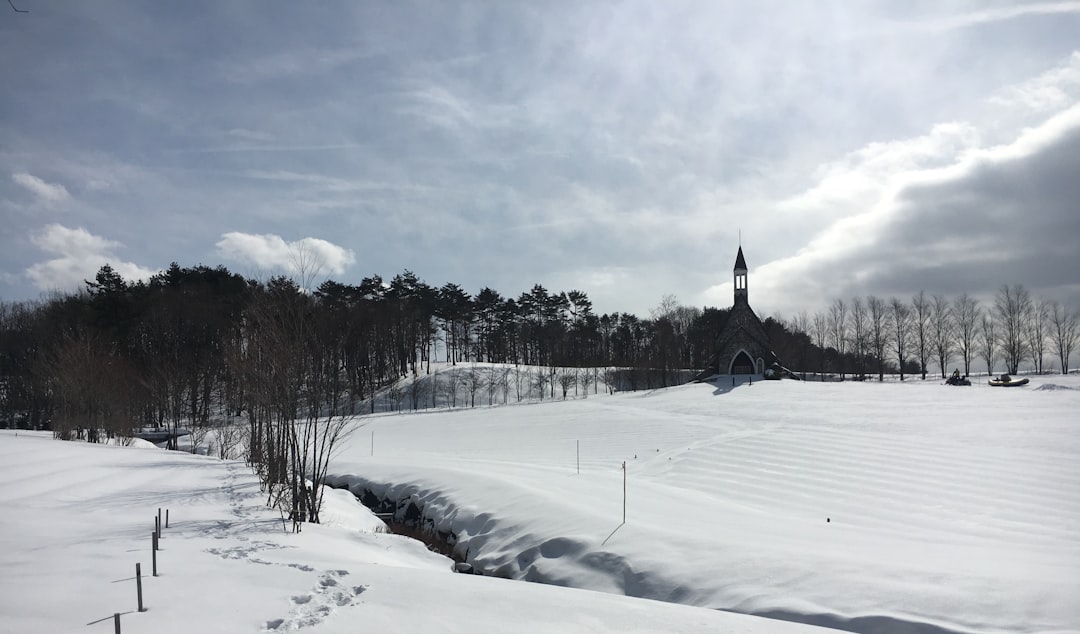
1004 215
1017 219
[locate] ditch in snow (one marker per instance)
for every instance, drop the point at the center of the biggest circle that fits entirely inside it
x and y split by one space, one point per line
405 517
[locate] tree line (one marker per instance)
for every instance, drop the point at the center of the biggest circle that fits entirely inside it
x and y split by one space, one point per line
122 355
866 336
190 343
193 346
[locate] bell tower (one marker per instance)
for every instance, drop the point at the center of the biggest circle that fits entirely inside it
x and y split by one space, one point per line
740 279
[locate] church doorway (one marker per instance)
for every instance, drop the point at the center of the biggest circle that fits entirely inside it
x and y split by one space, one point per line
742 364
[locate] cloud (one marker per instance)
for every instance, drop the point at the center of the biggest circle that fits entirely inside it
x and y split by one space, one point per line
290 63
1055 89
49 193
250 135
79 256
992 216
999 14
615 147
300 257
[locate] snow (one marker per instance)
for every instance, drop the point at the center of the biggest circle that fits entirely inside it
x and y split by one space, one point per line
912 507
913 504
78 518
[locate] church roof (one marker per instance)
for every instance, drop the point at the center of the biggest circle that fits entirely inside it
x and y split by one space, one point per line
740 262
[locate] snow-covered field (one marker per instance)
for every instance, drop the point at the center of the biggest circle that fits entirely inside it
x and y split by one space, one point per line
78 517
867 505
910 507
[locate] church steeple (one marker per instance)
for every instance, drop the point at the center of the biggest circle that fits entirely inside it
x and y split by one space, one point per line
740 278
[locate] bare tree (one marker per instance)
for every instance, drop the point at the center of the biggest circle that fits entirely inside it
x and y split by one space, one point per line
801 325
879 331
491 382
473 380
921 313
838 329
567 378
306 264
821 335
859 342
92 389
228 440
519 378
900 319
941 331
1012 306
504 383
1064 333
988 341
1037 326
453 380
611 377
585 379
395 393
296 398
418 390
966 313
541 380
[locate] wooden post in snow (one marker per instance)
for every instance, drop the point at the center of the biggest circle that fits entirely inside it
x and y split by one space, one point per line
138 585
153 551
116 622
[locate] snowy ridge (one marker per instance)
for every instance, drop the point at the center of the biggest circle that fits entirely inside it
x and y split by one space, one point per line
893 507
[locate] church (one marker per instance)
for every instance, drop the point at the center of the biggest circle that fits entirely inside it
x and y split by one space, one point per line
743 345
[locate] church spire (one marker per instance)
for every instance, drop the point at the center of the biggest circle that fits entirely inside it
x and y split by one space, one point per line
740 278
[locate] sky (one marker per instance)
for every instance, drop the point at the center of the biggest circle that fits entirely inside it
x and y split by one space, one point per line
621 148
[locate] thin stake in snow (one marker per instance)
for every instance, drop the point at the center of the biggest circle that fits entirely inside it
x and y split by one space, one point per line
153 551
166 518
116 622
138 585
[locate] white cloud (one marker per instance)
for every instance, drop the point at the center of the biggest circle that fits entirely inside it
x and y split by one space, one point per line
79 256
49 193
269 251
1056 89
999 14
860 177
